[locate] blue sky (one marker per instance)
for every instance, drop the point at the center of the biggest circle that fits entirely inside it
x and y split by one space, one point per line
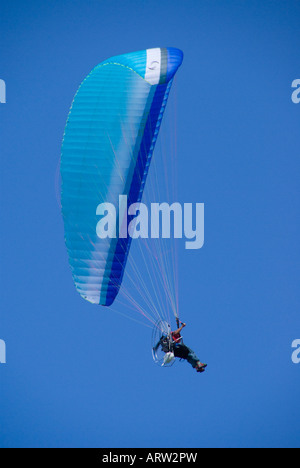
80 375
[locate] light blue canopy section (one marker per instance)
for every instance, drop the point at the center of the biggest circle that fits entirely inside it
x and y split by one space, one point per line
109 139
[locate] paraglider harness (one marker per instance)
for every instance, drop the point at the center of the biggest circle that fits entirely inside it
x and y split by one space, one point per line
164 348
167 343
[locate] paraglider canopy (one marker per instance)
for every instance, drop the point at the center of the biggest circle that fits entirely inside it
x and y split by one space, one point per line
108 143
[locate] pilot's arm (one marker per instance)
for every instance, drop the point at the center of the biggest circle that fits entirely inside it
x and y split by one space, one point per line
179 329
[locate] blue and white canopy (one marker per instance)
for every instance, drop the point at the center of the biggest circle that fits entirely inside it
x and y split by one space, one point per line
109 140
